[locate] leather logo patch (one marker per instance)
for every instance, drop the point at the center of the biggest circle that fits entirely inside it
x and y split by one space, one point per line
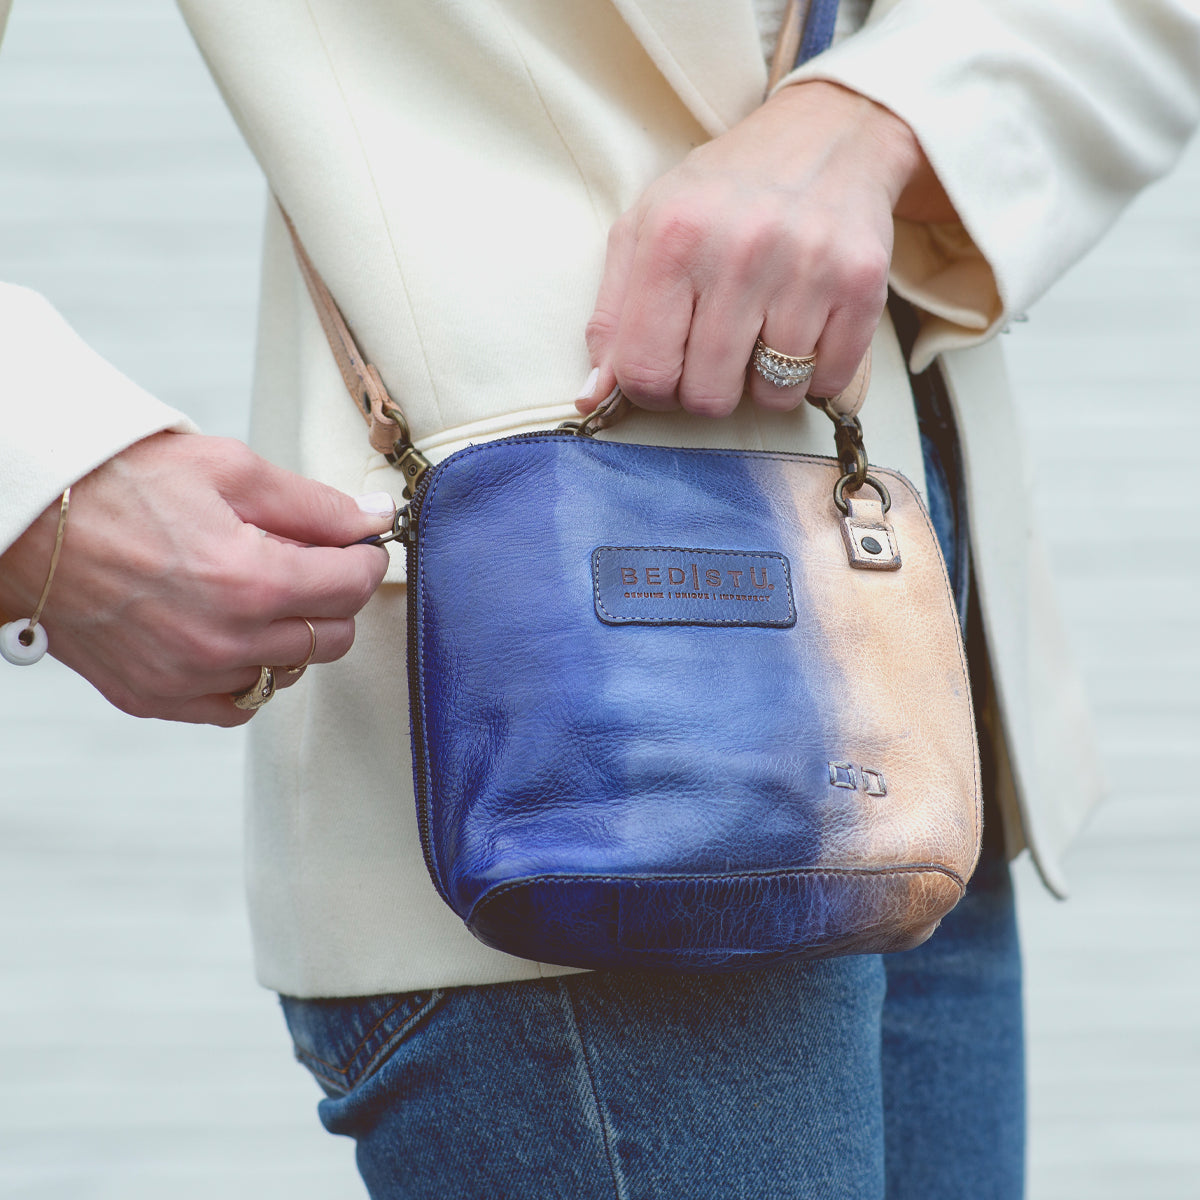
673 585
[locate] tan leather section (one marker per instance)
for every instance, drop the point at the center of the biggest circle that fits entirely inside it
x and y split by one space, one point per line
864 507
922 899
893 688
865 518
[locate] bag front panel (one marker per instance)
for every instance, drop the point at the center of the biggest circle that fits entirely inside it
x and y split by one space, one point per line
559 743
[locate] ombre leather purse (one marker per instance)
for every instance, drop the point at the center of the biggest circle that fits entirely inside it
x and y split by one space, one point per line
694 710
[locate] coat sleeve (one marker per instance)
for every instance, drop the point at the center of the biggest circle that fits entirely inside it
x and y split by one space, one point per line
63 409
1041 118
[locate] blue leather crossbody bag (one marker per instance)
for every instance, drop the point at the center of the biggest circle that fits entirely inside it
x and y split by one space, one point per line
673 708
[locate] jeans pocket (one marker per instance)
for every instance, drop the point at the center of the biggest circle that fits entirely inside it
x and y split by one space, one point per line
343 1041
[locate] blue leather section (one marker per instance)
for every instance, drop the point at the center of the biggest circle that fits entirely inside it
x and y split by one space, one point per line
700 924
600 794
672 585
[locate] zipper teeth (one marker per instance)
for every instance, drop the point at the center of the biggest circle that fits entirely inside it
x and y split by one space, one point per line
416 688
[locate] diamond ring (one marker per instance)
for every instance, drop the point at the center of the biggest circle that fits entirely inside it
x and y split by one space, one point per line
783 370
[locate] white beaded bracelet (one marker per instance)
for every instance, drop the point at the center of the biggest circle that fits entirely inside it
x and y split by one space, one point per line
24 641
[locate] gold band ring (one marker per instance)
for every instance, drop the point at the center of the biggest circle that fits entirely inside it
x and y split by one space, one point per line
312 649
783 370
253 698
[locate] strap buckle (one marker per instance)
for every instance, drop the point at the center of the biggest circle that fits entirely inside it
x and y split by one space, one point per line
410 462
403 455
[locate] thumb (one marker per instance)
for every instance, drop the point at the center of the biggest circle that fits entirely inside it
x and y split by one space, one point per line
288 505
606 317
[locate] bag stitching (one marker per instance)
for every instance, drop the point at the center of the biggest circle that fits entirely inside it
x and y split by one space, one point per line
799 873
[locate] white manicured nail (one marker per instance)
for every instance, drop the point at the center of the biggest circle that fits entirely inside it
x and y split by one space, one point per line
376 504
589 385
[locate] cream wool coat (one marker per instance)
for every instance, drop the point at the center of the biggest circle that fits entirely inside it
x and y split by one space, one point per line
453 168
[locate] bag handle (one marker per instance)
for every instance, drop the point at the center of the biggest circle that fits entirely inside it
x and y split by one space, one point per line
806 30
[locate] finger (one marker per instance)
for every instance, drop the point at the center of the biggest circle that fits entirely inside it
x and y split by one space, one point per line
842 345
319 581
290 646
247 678
610 302
648 352
286 643
792 327
216 709
719 345
284 503
858 299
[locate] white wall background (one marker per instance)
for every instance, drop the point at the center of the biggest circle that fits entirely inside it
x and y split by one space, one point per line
137 1057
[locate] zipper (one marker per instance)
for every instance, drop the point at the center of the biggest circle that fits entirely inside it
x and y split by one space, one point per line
415 689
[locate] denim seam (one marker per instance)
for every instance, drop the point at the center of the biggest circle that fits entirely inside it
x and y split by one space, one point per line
308 1057
353 1053
619 1190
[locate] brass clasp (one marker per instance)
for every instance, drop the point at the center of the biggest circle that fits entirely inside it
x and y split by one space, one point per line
608 412
852 455
404 456
411 463
401 524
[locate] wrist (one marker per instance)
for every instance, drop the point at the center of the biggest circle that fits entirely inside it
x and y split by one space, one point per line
859 125
24 641
22 565
897 161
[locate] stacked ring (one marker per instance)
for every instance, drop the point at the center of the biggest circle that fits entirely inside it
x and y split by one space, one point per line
312 649
253 698
783 370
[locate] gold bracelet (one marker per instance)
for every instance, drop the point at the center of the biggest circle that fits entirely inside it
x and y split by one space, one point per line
24 641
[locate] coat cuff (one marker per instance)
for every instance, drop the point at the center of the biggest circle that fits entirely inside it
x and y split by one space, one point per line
63 409
1037 146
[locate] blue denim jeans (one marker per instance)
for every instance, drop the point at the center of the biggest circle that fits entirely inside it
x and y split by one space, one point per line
869 1076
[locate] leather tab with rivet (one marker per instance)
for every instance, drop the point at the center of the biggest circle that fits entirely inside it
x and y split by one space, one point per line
869 536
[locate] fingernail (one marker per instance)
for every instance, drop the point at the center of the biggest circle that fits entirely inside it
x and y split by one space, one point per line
376 504
589 385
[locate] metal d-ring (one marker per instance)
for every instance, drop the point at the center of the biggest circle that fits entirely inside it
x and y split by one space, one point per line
839 491
398 532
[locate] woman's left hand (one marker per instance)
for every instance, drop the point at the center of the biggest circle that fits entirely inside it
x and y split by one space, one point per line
780 228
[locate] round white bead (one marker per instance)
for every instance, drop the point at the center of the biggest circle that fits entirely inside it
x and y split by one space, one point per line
15 650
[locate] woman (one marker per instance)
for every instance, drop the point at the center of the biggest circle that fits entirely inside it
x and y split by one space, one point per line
469 164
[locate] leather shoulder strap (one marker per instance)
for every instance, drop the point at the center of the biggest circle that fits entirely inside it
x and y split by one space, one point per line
386 427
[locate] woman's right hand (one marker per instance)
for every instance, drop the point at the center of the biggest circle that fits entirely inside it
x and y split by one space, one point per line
168 597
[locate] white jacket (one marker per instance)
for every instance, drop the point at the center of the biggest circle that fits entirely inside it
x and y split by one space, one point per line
453 170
